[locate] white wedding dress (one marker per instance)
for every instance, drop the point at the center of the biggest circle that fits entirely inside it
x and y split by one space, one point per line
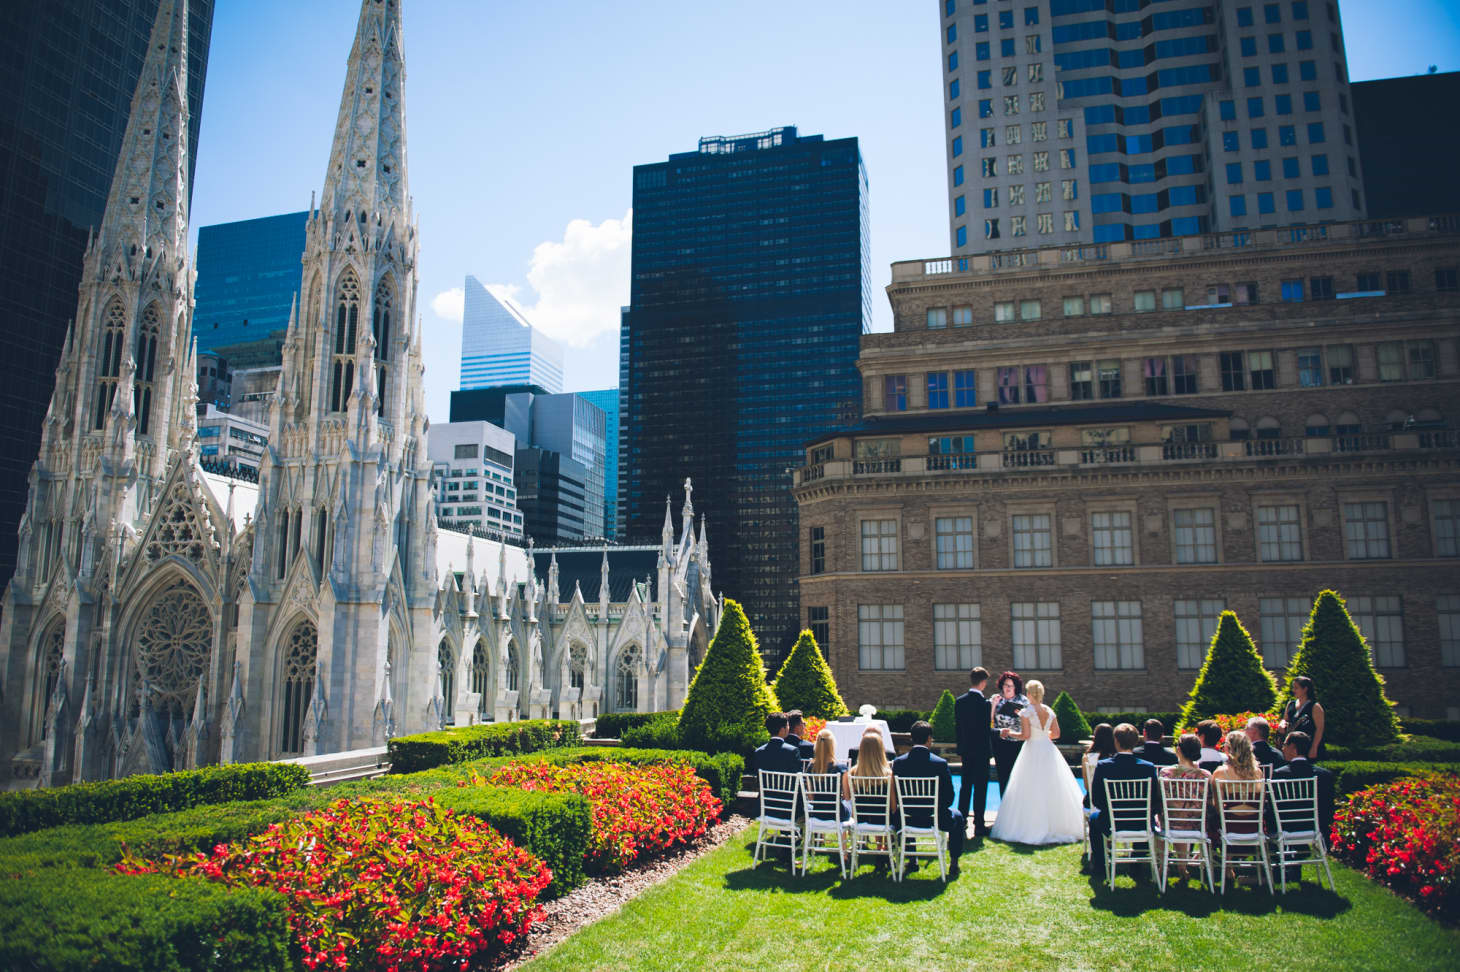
1041 804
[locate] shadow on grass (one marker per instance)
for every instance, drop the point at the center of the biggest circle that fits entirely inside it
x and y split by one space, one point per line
774 874
1195 901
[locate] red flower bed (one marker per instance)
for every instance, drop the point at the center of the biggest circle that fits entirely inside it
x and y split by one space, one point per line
637 810
1238 720
384 886
814 724
1406 834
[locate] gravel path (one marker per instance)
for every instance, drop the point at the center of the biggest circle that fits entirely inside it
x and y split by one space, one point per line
602 897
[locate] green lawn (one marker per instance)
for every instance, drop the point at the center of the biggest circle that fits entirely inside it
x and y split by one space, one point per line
1014 908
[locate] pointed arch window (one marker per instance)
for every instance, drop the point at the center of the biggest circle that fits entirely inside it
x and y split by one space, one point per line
511 666
52 646
577 666
146 359
380 330
321 539
481 679
448 682
342 363
113 334
626 680
174 644
300 654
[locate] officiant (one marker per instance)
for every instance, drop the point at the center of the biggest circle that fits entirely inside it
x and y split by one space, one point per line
1007 705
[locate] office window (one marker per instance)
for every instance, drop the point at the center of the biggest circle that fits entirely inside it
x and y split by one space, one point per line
964 389
1320 288
1036 76
1290 167
1315 133
1115 629
1366 530
1003 311
1421 360
1033 540
1183 374
1039 131
1067 158
958 146
1006 20
1195 535
953 60
989 166
1252 78
1295 200
1368 281
991 229
1300 9
1154 371
1144 300
937 317
1311 101
1173 298
1445 278
1031 16
1010 75
1041 161
1016 195
953 90
1234 372
1108 374
958 175
1445 514
1447 607
1082 380
957 637
1310 367
1072 220
1032 44
1293 291
1035 634
1237 205
1260 368
1265 203
959 206
1254 108
894 392
1279 74
818 619
1248 46
1381 622
879 545
879 637
1391 361
962 316
1279 533
953 536
1282 104
1069 189
818 550
1065 127
1036 98
1244 16
1196 625
1275 43
952 33
1046 222
1287 135
1320 164
961 235
1074 306
1029 310
1011 104
1114 538
1228 110
937 389
1272 13
1234 173
1013 134
1230 142
1281 627
985 105
1397 281
985 80
987 137
991 198
1016 164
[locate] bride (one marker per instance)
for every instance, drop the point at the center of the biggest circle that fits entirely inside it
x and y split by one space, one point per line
1041 804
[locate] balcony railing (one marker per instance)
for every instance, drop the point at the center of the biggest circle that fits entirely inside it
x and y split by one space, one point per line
1188 450
863 467
1027 458
944 463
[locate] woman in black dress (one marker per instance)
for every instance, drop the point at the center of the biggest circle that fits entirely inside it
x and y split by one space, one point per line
1304 714
1007 705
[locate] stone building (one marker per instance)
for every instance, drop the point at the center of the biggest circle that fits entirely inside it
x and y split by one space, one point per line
1072 459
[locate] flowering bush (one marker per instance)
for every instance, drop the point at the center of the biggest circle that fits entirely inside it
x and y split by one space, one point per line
637 810
1238 720
1407 835
814 724
372 884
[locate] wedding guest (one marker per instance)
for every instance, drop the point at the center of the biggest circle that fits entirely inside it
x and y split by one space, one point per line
796 727
1102 746
1124 765
920 762
1210 734
823 760
1188 755
872 764
776 756
1304 714
1258 732
972 715
1240 765
1151 749
1007 707
1300 767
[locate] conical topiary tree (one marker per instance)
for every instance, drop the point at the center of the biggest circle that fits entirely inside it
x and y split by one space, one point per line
945 723
728 701
1232 678
805 681
1333 654
1073 724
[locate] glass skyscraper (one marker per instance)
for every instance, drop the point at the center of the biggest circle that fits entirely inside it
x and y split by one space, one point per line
1099 121
248 275
500 347
68 70
607 400
750 292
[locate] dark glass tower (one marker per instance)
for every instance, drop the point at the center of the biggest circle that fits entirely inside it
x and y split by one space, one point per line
68 69
248 274
750 292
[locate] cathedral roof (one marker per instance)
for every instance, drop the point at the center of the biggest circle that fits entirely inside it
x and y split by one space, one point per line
584 565
245 495
486 557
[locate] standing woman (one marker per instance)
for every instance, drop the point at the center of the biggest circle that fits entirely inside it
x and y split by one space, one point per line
1304 714
1009 703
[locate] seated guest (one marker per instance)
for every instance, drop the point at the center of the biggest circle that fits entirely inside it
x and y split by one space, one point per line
1102 746
1211 738
776 756
1258 732
1296 747
920 762
871 764
1151 749
823 760
1124 765
1188 754
796 726
1242 818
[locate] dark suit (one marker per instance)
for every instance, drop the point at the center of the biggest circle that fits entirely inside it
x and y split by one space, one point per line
971 715
1121 766
777 757
1303 768
806 749
1263 752
1155 754
920 762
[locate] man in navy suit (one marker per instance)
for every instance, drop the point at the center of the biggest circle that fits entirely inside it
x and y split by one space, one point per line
1300 767
972 716
1124 765
920 761
1151 749
776 756
1258 731
796 725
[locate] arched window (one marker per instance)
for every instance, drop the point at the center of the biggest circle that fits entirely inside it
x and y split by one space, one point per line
321 538
511 666
1316 425
481 672
113 334
300 653
380 328
1239 429
174 641
626 680
52 645
146 362
1268 428
342 365
1396 420
577 665
448 682
1348 424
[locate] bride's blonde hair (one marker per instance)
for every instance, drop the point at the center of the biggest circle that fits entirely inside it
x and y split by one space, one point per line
1034 689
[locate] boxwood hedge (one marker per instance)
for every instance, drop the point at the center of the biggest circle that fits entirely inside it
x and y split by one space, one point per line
613 725
427 750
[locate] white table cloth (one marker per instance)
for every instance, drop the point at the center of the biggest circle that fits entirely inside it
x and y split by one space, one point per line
849 735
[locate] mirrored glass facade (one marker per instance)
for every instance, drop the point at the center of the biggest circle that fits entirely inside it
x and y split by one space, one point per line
248 274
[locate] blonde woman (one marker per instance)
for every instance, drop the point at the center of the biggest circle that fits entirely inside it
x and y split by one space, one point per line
823 760
1241 765
1041 804
872 763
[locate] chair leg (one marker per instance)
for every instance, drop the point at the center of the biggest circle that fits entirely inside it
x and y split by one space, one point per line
1283 866
1226 855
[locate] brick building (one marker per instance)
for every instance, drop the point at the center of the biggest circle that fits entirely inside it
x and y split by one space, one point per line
1072 459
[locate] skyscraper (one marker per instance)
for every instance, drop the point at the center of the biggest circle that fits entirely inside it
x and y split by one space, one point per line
1082 121
1409 161
248 274
68 69
750 290
607 400
500 347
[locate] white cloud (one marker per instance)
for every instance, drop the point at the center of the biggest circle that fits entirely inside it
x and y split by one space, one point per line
581 282
449 305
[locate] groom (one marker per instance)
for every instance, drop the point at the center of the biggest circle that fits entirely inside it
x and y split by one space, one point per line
972 716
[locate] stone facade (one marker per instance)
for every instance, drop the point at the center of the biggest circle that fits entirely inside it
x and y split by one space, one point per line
1128 472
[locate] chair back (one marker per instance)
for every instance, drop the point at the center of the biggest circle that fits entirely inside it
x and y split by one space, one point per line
1087 770
1239 803
823 795
778 794
1129 803
1184 805
1266 770
917 800
1295 803
806 765
872 798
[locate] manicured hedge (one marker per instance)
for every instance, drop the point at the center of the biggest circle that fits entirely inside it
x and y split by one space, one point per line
1355 775
901 720
411 754
553 826
23 811
1137 719
1415 749
661 732
1447 729
613 725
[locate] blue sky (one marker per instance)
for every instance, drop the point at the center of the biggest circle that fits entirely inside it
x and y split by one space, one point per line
525 118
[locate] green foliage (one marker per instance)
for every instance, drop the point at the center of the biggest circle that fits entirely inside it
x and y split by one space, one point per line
728 701
660 732
805 681
1414 749
554 827
22 811
411 754
945 726
1333 654
1073 726
613 725
1355 775
1446 729
901 720
722 771
1138 719
1232 678
68 919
